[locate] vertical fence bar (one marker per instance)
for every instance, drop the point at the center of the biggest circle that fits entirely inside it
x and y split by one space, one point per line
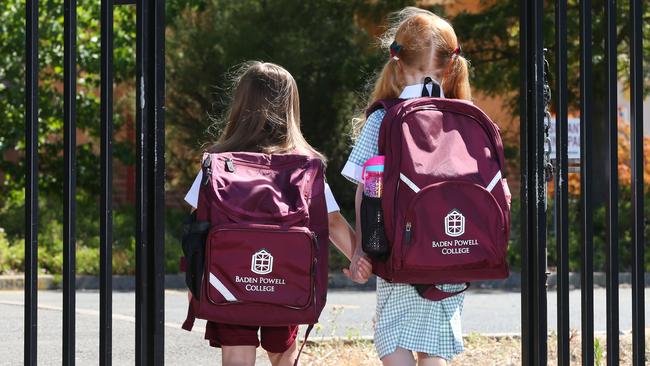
142 239
69 180
534 346
150 183
527 336
636 108
157 210
106 206
31 180
561 183
612 192
586 279
158 156
538 181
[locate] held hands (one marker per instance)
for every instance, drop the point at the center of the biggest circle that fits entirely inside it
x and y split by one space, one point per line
360 269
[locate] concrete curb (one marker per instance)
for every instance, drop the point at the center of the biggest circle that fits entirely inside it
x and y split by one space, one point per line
336 281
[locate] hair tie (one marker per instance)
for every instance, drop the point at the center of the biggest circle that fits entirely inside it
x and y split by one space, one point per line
458 50
394 50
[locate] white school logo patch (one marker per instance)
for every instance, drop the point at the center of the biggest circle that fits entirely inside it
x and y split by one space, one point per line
454 223
262 262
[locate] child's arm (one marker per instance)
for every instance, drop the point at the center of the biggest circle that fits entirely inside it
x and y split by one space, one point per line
506 190
357 210
360 267
341 234
343 237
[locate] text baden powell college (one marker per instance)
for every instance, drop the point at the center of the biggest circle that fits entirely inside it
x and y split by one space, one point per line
260 284
457 246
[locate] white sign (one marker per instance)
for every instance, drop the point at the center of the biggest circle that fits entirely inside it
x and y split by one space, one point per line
573 138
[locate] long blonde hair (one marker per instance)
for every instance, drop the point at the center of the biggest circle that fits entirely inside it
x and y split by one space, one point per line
420 33
264 115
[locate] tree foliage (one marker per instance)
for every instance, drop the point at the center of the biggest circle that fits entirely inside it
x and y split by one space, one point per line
491 40
50 102
322 44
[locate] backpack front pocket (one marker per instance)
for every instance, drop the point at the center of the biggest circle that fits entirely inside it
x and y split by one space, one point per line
453 225
373 238
265 264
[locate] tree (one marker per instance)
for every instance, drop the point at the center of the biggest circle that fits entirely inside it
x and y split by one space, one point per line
50 130
322 44
12 97
491 40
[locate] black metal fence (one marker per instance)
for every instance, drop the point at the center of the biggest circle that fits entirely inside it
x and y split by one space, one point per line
536 172
150 179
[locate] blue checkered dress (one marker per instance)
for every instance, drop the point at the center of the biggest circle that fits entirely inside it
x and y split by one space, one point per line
403 318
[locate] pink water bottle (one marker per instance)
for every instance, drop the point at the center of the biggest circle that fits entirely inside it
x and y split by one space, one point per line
372 176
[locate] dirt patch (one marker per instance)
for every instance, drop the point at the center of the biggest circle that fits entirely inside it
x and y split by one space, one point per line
479 351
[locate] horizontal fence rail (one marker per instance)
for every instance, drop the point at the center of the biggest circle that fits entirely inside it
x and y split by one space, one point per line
534 336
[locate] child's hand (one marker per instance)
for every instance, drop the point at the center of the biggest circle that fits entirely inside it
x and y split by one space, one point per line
360 269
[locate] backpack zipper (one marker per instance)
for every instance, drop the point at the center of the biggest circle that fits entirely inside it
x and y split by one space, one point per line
313 270
407 233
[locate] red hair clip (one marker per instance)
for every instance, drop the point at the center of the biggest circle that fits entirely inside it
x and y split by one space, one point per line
457 51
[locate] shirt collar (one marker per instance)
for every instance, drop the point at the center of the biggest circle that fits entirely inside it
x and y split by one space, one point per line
415 91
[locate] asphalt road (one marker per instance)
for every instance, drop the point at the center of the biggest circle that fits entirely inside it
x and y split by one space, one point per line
348 314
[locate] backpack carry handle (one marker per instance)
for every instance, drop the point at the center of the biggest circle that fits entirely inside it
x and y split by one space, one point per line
435 88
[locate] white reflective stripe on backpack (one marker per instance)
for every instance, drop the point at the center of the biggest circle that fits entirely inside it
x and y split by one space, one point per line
409 183
494 182
416 189
219 286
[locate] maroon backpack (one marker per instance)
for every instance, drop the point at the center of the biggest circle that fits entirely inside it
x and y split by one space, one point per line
444 201
263 261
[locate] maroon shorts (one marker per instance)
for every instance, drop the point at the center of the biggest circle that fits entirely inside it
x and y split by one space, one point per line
273 339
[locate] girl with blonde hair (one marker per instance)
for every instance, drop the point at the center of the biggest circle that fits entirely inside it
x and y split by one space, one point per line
421 45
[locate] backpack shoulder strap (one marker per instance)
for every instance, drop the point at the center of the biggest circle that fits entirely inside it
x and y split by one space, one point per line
188 324
385 104
304 342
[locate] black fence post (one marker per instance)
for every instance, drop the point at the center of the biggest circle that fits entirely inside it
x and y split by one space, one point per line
562 183
612 193
157 111
69 180
527 336
586 279
106 206
31 180
636 109
533 191
150 182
